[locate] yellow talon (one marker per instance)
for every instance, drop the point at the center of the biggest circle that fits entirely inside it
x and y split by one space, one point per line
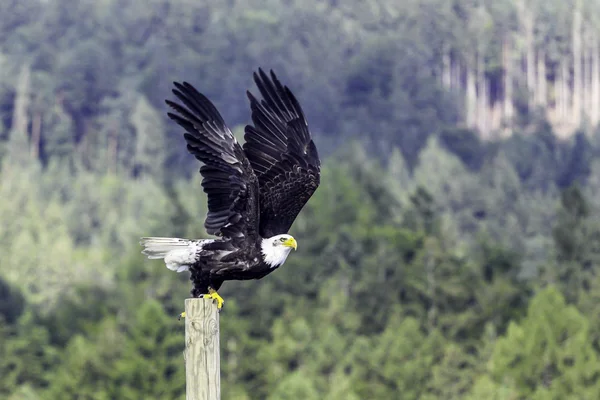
215 296
182 315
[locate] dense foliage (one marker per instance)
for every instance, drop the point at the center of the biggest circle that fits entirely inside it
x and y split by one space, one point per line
431 264
442 284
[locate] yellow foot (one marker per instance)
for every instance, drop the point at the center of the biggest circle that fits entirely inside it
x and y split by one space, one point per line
182 315
215 296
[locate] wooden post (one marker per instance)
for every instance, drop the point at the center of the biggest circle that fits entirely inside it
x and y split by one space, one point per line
202 358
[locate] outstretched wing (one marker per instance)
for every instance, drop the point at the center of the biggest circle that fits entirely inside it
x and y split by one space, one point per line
282 154
228 178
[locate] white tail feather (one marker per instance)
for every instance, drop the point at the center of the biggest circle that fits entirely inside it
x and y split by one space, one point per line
178 254
159 247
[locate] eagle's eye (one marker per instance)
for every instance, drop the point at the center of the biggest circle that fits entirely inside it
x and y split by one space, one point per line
282 240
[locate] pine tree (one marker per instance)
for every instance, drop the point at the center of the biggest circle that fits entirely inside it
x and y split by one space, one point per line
149 151
549 354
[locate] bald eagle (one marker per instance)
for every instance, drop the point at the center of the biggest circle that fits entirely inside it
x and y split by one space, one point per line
254 191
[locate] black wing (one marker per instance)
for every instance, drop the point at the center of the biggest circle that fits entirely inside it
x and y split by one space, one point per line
229 181
282 153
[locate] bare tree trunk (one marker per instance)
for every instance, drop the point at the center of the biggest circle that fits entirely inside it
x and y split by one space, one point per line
21 108
530 65
452 74
486 112
585 74
36 134
525 13
471 98
481 96
456 75
18 141
564 90
496 116
595 97
531 71
542 91
557 93
577 79
508 80
530 55
446 68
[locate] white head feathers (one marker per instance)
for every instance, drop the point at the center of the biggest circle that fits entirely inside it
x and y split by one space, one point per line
276 249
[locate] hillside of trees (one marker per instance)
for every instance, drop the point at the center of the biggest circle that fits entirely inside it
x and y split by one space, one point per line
451 251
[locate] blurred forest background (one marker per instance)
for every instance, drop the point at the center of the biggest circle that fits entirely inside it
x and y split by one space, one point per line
452 251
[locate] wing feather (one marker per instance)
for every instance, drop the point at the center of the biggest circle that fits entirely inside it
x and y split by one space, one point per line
282 153
228 178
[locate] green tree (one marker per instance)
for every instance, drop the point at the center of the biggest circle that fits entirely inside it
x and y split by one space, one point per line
397 361
549 354
26 355
147 123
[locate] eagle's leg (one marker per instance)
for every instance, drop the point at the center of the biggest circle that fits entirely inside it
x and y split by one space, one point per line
212 294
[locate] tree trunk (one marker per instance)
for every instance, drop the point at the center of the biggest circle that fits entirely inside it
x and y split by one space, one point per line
485 106
525 14
585 75
456 75
481 96
564 90
530 65
530 55
508 80
21 107
452 74
595 97
18 141
36 134
446 68
471 98
577 78
542 92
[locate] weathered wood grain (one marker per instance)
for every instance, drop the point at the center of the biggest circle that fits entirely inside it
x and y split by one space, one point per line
202 355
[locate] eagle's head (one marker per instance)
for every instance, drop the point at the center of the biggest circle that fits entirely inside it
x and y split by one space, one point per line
276 249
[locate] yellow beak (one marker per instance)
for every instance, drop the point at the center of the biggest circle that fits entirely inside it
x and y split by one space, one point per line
291 242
